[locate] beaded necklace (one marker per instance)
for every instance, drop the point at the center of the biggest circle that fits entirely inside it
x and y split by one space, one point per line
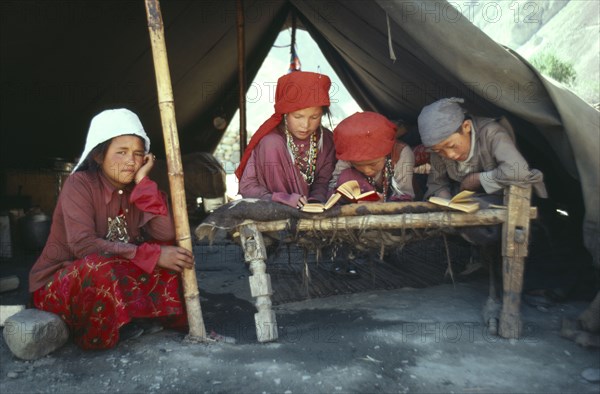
307 164
117 227
388 173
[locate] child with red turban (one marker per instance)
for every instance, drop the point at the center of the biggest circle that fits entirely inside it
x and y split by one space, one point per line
368 152
291 157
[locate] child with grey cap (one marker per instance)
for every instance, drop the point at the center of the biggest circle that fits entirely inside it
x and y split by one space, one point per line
473 153
477 154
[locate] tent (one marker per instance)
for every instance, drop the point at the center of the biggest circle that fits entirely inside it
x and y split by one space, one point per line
62 62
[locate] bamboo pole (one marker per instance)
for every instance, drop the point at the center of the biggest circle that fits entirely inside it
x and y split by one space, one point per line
241 49
173 153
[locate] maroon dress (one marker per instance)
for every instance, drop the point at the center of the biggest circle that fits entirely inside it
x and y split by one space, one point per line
271 174
96 285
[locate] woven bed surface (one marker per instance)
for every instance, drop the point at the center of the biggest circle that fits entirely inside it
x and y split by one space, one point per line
416 265
301 265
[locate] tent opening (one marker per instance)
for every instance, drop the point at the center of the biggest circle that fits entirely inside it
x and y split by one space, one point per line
260 96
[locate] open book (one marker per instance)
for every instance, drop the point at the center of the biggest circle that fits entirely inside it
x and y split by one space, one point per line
349 190
463 201
316 207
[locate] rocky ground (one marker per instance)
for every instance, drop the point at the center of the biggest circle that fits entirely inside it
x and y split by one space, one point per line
405 340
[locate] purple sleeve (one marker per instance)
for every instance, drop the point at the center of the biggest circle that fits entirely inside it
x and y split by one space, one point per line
251 183
325 165
270 175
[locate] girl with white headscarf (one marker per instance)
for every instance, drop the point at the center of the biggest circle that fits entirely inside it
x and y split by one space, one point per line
109 257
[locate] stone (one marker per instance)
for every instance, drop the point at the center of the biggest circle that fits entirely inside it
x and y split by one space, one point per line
591 375
8 283
32 333
227 141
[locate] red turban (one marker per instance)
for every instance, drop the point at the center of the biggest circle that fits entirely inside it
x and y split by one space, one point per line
364 136
295 91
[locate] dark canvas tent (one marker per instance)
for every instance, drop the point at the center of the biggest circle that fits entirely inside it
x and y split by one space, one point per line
63 61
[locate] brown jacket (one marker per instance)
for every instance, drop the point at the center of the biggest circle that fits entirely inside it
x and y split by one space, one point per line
495 156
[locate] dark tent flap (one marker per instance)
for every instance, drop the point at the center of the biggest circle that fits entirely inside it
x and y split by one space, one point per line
62 62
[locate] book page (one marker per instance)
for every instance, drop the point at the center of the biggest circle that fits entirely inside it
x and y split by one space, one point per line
439 201
316 207
465 203
332 200
351 190
313 207
464 196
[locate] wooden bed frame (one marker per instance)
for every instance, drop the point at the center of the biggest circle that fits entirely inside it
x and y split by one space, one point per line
514 218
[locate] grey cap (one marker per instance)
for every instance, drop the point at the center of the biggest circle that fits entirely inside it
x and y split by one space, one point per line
439 120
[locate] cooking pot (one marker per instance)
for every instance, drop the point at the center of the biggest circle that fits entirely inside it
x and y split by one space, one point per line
34 229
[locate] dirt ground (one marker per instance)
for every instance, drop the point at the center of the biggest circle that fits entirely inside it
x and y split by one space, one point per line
389 341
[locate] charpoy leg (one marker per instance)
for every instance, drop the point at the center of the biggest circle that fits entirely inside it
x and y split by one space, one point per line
255 254
515 241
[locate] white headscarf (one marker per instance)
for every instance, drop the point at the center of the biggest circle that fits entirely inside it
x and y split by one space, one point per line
109 124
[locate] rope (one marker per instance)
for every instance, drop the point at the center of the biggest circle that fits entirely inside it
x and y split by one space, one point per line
449 269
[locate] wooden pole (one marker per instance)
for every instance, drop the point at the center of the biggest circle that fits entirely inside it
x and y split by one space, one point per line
255 255
241 47
484 217
175 167
515 242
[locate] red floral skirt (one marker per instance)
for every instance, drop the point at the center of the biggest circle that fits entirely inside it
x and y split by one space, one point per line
97 295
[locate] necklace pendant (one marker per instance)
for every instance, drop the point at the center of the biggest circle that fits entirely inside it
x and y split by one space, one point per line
305 161
117 229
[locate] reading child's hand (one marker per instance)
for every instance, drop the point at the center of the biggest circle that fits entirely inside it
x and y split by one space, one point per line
301 201
144 170
444 194
471 182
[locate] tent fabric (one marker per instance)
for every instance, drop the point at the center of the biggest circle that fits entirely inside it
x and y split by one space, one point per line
441 54
63 62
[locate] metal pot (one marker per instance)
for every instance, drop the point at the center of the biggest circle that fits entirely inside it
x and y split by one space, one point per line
61 165
5 239
34 229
